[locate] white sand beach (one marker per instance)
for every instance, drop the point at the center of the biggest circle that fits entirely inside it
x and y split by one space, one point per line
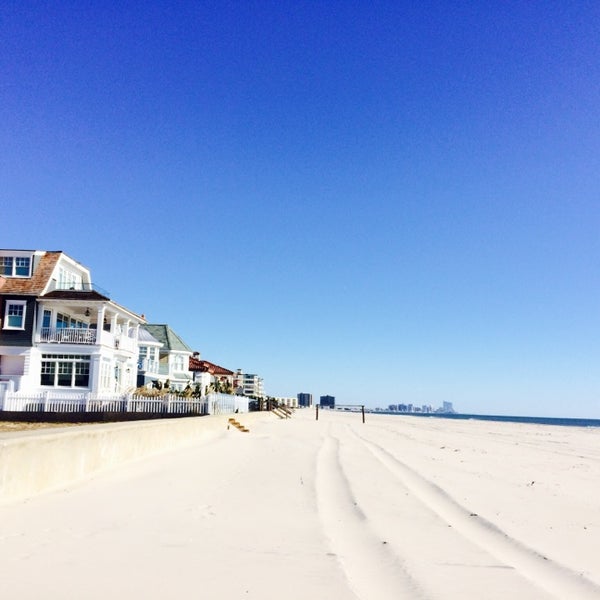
398 507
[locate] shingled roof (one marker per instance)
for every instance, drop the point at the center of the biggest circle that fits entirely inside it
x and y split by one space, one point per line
165 335
144 336
35 284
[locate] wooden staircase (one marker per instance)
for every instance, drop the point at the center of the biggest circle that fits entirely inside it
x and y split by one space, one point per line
283 412
238 425
279 413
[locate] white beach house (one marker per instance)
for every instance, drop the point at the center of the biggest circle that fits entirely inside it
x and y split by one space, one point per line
59 332
171 352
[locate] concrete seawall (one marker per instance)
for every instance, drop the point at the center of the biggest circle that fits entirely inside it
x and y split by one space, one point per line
43 460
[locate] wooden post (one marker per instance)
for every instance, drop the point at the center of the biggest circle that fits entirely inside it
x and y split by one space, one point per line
363 412
317 407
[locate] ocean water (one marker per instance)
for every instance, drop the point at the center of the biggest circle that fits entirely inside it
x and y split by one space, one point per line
537 420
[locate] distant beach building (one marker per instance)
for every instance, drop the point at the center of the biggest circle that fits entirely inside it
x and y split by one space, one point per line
305 400
327 401
249 384
290 402
447 407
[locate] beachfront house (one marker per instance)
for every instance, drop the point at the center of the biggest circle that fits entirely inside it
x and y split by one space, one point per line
211 377
59 331
148 359
173 357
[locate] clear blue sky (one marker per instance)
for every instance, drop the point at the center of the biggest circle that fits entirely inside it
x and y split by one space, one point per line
383 201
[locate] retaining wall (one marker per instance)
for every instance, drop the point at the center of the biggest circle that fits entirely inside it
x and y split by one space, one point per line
43 460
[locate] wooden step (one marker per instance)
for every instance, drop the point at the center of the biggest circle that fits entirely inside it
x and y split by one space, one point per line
238 425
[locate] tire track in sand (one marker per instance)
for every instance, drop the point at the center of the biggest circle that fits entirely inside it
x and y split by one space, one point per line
373 571
551 576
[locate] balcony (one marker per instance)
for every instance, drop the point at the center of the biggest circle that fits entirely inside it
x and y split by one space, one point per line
68 335
81 335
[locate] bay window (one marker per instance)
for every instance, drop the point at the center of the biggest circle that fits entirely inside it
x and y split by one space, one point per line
65 370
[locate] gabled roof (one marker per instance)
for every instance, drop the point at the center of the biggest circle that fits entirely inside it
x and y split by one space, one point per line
146 337
169 339
207 367
35 284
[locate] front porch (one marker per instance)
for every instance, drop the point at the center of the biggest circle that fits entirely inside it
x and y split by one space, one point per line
89 321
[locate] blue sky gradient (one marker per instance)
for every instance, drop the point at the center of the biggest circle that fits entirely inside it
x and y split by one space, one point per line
383 201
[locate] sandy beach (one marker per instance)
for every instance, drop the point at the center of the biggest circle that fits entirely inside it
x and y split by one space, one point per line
398 507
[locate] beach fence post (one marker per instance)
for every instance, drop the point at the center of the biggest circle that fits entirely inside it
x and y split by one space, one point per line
317 411
363 412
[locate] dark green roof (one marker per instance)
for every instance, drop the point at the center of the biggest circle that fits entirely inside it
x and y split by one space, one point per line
164 334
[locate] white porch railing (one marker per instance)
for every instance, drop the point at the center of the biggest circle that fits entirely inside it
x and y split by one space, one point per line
82 335
69 335
212 404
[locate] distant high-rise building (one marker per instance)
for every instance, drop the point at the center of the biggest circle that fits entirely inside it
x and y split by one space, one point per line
327 401
447 407
305 399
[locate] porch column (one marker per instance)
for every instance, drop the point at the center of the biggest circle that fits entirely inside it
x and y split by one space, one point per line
113 323
100 324
95 366
38 323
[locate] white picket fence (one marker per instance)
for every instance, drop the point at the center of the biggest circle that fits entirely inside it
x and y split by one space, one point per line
212 404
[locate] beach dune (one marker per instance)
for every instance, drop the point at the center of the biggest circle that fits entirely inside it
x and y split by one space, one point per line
397 507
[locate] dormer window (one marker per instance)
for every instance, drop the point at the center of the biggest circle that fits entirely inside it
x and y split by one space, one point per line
15 266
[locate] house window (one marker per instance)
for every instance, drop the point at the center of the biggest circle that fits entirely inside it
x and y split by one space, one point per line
142 356
14 317
15 266
64 374
22 266
47 319
62 321
6 265
65 370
